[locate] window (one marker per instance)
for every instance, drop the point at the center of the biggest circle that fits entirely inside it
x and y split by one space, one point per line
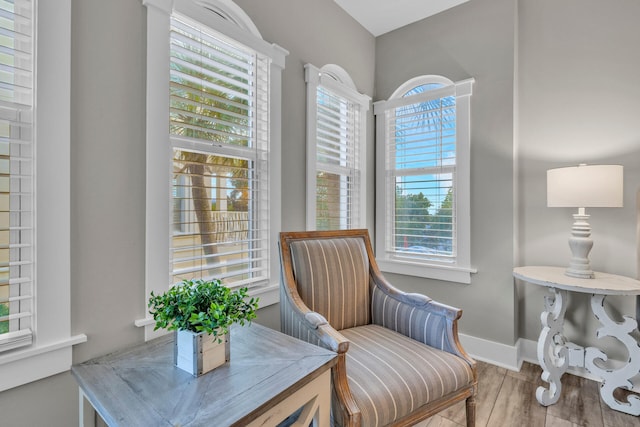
423 169
213 149
16 175
220 157
35 340
336 158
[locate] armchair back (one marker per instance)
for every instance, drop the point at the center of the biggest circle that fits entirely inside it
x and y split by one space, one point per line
332 279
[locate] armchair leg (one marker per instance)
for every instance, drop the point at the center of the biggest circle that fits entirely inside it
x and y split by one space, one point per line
471 411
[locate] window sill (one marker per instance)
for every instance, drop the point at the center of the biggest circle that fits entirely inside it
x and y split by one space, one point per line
428 271
37 362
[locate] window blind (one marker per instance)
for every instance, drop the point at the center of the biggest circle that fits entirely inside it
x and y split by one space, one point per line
421 173
219 134
337 154
16 174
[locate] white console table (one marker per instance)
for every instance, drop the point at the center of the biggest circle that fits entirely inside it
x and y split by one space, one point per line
555 354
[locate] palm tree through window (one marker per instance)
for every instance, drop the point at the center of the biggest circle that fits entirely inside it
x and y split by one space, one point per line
219 151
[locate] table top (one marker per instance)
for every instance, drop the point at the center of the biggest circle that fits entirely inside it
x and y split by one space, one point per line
602 283
142 387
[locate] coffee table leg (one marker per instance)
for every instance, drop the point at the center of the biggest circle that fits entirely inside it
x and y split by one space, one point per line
552 352
615 378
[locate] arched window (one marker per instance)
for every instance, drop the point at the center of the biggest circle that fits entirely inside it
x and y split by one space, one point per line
213 149
423 179
336 156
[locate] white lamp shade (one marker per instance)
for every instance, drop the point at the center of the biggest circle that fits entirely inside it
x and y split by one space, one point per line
585 186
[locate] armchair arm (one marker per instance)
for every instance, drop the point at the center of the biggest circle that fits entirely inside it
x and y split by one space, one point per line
416 316
300 322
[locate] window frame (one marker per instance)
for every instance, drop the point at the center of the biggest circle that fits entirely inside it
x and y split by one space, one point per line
51 351
227 18
460 269
336 80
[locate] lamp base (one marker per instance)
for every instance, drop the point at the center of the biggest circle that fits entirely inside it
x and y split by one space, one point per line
579 274
580 243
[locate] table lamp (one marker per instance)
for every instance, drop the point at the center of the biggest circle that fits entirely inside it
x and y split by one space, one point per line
581 187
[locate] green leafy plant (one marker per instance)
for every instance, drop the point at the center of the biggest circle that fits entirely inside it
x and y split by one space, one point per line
202 306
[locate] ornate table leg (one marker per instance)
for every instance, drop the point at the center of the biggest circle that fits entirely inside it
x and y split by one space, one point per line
552 352
615 378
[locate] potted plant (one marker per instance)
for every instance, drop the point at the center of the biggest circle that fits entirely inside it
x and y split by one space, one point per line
201 312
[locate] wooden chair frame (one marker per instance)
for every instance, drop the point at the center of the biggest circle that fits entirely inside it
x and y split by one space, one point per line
325 335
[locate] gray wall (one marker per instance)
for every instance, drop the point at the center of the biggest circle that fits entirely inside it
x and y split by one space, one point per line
475 39
579 103
108 168
107 173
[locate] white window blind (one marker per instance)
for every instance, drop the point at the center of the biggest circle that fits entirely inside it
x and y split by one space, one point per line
219 132
421 165
335 147
337 156
16 174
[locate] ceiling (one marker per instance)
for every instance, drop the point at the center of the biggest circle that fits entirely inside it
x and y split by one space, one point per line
382 16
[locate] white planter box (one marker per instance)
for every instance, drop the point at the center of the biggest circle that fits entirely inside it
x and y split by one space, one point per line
199 353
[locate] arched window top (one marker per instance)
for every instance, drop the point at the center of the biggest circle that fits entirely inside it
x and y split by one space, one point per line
337 79
339 74
224 16
225 9
423 88
421 84
230 11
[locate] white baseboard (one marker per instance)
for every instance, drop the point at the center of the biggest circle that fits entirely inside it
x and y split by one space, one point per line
492 352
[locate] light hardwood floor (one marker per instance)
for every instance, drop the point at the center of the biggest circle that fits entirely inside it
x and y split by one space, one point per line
507 398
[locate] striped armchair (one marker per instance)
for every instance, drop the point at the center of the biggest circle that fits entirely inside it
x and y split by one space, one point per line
399 358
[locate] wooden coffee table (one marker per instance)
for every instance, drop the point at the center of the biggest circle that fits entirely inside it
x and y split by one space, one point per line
270 376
